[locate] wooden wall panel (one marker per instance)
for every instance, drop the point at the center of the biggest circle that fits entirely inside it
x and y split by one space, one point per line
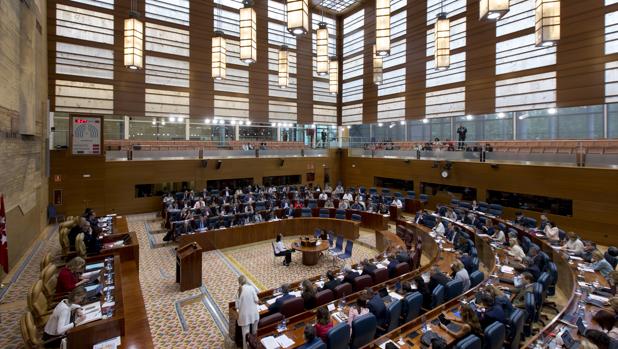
258 71
416 39
304 76
593 191
370 90
202 102
111 185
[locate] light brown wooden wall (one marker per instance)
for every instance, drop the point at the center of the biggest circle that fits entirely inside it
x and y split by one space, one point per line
594 191
111 185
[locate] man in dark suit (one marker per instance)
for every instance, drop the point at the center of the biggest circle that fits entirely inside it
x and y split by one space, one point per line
349 275
493 312
392 266
403 256
520 291
332 282
368 267
529 267
376 306
467 261
437 278
276 307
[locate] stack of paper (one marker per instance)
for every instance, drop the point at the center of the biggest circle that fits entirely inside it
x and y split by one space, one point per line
95 266
270 342
284 341
295 293
587 269
331 307
598 298
92 312
381 266
272 300
395 295
507 269
262 307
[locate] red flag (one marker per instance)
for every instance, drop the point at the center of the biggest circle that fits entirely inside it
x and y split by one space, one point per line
4 251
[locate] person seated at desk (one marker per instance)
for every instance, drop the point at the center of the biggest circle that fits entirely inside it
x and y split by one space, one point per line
285 295
402 255
600 264
82 227
91 217
349 275
249 209
418 218
348 196
606 321
60 320
462 245
382 208
357 309
450 214
499 236
308 294
343 204
323 323
329 203
552 232
69 276
489 228
332 282
520 291
257 217
323 196
376 306
500 299
601 339
397 203
368 267
423 289
519 218
438 343
200 204
356 205
469 322
437 278
281 250
298 204
529 267
490 312
612 256
439 227
460 273
467 261
574 245
92 242
515 250
392 266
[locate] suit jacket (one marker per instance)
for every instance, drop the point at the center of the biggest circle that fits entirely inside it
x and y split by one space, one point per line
377 307
403 257
276 307
392 268
369 268
331 284
495 313
438 279
350 276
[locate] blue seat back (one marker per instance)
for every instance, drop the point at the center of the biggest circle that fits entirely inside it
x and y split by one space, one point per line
454 288
437 296
324 215
539 295
476 277
553 273
393 312
494 336
338 336
356 217
340 214
531 313
313 203
411 306
305 212
411 194
363 329
455 202
339 243
544 280
516 328
470 342
318 344
423 198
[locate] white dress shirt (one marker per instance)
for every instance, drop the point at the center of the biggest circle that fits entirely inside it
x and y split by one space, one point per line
576 246
323 196
397 203
517 252
552 234
60 320
439 228
348 196
280 247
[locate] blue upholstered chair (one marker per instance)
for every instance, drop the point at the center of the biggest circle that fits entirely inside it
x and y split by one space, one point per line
324 213
363 329
454 288
530 312
340 214
393 313
476 277
411 307
470 342
356 217
411 194
338 336
347 254
305 212
437 296
494 336
338 245
515 328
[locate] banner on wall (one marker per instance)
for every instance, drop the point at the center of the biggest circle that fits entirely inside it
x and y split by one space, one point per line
86 135
4 250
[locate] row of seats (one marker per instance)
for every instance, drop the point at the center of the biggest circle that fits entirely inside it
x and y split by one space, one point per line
116 144
493 209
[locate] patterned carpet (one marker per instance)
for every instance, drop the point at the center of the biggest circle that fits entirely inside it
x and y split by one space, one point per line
191 319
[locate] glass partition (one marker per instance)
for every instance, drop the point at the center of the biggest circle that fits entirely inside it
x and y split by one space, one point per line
612 120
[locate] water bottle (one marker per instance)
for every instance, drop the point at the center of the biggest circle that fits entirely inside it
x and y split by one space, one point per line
284 324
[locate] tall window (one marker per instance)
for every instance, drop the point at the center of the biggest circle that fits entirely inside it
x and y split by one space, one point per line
353 45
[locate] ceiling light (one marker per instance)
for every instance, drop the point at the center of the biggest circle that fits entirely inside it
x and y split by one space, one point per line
333 76
248 122
383 27
298 16
321 48
378 65
442 37
425 121
380 124
469 117
402 123
501 115
219 59
493 9
133 41
552 111
547 22
207 121
248 33
284 67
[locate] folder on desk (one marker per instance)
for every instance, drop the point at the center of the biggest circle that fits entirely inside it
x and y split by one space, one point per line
269 342
284 341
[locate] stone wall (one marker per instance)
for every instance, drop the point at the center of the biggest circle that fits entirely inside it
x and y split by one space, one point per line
23 121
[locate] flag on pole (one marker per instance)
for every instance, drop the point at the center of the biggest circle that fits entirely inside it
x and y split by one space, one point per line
4 251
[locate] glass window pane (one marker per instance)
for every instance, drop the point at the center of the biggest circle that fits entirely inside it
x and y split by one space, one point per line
535 124
580 122
612 120
498 126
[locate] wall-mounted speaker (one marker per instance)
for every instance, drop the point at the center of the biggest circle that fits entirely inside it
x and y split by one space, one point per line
219 163
204 163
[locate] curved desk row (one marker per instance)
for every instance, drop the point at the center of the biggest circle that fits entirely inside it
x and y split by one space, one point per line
246 234
567 283
431 253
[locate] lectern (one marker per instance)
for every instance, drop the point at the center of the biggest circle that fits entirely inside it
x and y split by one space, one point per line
189 266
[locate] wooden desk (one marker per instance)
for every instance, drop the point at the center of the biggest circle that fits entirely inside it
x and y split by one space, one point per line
412 205
245 234
311 254
120 225
129 251
385 238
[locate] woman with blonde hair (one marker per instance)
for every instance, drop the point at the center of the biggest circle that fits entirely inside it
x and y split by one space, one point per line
501 299
60 320
247 305
70 275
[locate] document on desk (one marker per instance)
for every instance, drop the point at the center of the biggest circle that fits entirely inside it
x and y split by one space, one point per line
269 342
331 307
272 300
295 293
598 298
586 269
284 341
92 312
507 269
381 266
383 345
112 343
90 274
395 295
576 258
262 307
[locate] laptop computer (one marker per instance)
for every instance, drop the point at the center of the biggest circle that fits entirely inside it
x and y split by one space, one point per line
581 326
568 340
453 327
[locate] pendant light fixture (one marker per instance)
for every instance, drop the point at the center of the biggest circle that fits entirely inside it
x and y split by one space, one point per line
442 38
493 10
322 49
219 50
248 33
333 76
378 65
133 39
283 63
547 22
383 27
298 16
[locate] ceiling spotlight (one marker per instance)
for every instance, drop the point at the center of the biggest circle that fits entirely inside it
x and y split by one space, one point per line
233 122
469 117
380 124
162 122
391 125
425 121
248 122
171 118
349 127
501 115
154 121
552 111
402 123
207 121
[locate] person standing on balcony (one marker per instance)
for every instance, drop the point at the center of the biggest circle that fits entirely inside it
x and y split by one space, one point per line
461 133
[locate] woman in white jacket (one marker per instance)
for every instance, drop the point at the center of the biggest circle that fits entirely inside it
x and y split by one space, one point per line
60 320
247 306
